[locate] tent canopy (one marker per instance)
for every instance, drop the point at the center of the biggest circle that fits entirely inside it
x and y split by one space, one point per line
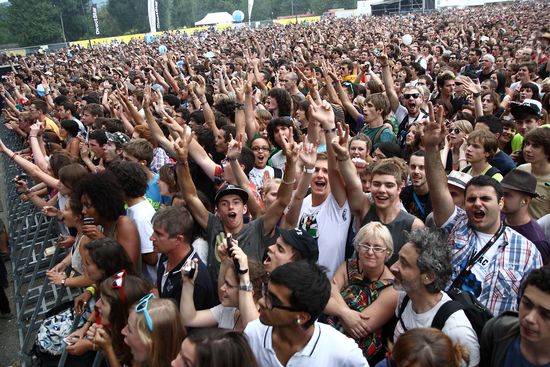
215 18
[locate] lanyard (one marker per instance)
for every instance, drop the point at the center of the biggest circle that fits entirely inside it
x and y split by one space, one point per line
419 204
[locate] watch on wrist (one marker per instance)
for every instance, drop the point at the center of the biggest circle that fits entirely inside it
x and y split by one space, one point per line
309 170
246 287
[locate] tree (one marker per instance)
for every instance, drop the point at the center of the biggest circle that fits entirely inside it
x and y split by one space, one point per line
130 15
5 34
34 22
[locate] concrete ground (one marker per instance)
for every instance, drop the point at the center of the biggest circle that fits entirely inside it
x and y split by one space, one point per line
9 340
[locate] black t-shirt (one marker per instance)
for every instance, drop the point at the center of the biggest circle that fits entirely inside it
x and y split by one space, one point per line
204 296
418 205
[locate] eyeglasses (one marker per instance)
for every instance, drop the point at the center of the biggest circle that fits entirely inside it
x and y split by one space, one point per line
283 80
456 130
366 247
458 83
413 95
118 279
142 307
269 301
260 149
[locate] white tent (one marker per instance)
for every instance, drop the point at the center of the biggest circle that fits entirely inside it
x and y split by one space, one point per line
215 18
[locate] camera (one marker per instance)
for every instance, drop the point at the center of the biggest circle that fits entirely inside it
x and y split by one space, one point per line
229 238
189 269
88 221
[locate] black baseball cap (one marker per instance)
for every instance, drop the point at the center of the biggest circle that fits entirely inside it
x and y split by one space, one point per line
302 242
231 190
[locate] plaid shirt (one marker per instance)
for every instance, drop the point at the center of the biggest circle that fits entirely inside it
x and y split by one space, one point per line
160 158
516 256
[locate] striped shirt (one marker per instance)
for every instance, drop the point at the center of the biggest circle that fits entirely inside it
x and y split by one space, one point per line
514 258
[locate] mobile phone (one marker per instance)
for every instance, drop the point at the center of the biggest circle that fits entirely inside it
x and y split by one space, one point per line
228 238
88 221
189 270
377 52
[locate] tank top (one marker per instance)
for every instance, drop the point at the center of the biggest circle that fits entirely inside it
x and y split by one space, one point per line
401 224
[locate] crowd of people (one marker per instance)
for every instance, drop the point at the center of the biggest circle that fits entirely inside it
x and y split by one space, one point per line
336 193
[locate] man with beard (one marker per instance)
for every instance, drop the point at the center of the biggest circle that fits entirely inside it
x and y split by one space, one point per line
287 332
416 197
503 255
407 113
421 273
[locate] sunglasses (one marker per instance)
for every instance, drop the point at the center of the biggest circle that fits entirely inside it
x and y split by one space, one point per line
118 280
270 304
142 307
413 95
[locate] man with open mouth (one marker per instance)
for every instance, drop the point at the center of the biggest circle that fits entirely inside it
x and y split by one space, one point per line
494 256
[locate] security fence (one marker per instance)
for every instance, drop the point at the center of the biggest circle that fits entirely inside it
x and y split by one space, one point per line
30 234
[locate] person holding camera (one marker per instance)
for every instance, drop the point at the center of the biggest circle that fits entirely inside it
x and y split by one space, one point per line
172 238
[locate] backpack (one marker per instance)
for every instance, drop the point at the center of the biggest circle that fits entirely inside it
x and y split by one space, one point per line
477 314
490 172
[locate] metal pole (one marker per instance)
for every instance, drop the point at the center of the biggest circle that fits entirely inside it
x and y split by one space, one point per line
63 26
86 25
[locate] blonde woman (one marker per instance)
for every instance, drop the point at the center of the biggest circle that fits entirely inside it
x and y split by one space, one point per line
154 331
362 298
454 142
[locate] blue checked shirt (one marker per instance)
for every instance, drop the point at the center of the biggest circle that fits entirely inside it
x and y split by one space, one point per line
515 257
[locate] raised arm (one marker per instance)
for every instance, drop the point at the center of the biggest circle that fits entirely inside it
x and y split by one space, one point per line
154 126
308 157
323 113
240 123
358 201
284 194
388 82
442 202
185 181
189 314
346 103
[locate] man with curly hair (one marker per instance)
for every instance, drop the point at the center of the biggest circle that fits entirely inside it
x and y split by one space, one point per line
421 273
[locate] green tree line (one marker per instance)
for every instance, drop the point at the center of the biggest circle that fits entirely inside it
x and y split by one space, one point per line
36 22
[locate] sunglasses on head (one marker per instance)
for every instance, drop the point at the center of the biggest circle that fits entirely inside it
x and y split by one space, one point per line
142 307
413 95
118 280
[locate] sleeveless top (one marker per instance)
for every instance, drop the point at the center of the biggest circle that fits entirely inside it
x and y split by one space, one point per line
401 224
359 293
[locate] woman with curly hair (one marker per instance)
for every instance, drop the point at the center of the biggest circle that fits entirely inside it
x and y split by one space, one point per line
102 201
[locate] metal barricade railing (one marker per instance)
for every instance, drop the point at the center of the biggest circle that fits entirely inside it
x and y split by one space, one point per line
30 234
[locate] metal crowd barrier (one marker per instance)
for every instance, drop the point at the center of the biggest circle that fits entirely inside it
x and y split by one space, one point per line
30 234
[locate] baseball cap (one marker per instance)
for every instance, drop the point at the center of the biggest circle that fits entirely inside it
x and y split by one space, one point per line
458 179
231 190
520 181
117 137
302 242
528 106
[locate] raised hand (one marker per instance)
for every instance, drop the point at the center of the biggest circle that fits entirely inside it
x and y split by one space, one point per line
322 112
239 88
434 129
200 86
308 154
181 145
340 143
234 147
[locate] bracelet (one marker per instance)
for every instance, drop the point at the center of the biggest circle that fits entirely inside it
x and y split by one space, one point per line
289 183
242 271
230 159
475 95
239 106
309 170
33 136
328 131
91 290
13 155
342 159
462 159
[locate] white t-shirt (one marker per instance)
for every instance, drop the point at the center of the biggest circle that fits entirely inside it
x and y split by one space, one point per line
457 327
329 223
327 347
142 213
224 316
256 175
278 160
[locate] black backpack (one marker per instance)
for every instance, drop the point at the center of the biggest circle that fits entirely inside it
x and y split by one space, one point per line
477 314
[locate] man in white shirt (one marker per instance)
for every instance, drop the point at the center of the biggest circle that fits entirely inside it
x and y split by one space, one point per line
287 333
421 272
